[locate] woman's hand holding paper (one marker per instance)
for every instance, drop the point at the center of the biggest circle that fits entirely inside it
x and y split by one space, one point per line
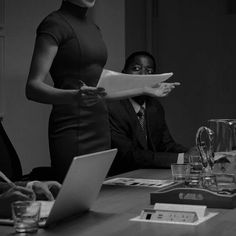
160 89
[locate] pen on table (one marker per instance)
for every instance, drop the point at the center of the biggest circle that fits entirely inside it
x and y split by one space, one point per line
4 177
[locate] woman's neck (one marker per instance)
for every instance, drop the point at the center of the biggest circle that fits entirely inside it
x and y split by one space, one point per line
74 9
74 2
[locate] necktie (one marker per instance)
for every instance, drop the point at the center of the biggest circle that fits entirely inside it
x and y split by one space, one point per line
141 118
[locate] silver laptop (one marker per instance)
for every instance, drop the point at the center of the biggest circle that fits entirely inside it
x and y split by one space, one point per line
80 188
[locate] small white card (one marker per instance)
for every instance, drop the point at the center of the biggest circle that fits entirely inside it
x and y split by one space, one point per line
200 210
46 207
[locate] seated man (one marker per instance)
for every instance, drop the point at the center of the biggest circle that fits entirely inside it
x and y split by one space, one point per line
138 127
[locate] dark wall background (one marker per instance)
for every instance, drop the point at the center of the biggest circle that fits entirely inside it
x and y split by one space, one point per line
195 39
135 26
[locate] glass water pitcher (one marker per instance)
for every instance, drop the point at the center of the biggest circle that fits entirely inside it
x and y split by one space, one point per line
224 134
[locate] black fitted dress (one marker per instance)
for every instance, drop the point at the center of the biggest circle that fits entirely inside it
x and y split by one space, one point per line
73 128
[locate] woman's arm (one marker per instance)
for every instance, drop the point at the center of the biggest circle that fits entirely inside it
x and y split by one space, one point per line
45 51
162 90
36 89
158 90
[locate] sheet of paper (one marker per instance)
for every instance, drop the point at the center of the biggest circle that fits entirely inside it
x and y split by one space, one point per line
154 183
46 207
115 82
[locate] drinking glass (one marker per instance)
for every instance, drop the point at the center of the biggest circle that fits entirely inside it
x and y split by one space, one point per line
196 168
180 172
26 216
210 182
226 182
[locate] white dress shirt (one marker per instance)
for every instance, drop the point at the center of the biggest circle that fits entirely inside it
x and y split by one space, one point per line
136 107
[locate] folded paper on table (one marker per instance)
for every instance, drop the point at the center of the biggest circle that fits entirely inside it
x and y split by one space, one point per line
218 155
153 183
114 82
225 162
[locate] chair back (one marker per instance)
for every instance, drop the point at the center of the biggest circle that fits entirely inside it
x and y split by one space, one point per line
9 161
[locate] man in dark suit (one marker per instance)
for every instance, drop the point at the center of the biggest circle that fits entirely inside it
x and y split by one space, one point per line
138 127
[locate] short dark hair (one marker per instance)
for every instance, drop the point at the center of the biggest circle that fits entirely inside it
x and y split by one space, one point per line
132 56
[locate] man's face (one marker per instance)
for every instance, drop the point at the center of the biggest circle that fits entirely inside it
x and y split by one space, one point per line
141 65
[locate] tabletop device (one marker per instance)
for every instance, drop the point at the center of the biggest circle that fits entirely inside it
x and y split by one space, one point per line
80 187
168 215
175 214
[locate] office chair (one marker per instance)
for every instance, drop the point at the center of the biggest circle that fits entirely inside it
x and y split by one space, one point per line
10 163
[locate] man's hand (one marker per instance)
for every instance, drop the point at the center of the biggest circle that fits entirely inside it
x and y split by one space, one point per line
45 190
14 194
192 152
54 187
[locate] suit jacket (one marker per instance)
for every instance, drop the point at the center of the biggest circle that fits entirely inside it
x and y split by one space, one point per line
135 151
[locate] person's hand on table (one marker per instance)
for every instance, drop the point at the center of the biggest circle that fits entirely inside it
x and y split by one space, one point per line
193 151
160 89
17 193
47 190
54 187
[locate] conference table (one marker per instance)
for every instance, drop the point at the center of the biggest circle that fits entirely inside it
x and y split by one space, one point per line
116 205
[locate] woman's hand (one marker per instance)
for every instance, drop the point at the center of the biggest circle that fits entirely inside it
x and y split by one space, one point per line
88 96
160 89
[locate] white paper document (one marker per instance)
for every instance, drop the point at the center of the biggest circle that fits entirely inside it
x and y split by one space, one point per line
154 183
114 82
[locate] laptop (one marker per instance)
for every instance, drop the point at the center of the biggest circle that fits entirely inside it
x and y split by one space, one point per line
79 190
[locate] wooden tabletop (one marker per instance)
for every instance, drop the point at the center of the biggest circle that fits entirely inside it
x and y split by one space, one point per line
111 212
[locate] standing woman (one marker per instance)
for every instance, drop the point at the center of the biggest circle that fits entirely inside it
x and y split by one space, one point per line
71 48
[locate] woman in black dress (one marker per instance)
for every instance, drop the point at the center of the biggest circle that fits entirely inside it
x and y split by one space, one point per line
71 48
